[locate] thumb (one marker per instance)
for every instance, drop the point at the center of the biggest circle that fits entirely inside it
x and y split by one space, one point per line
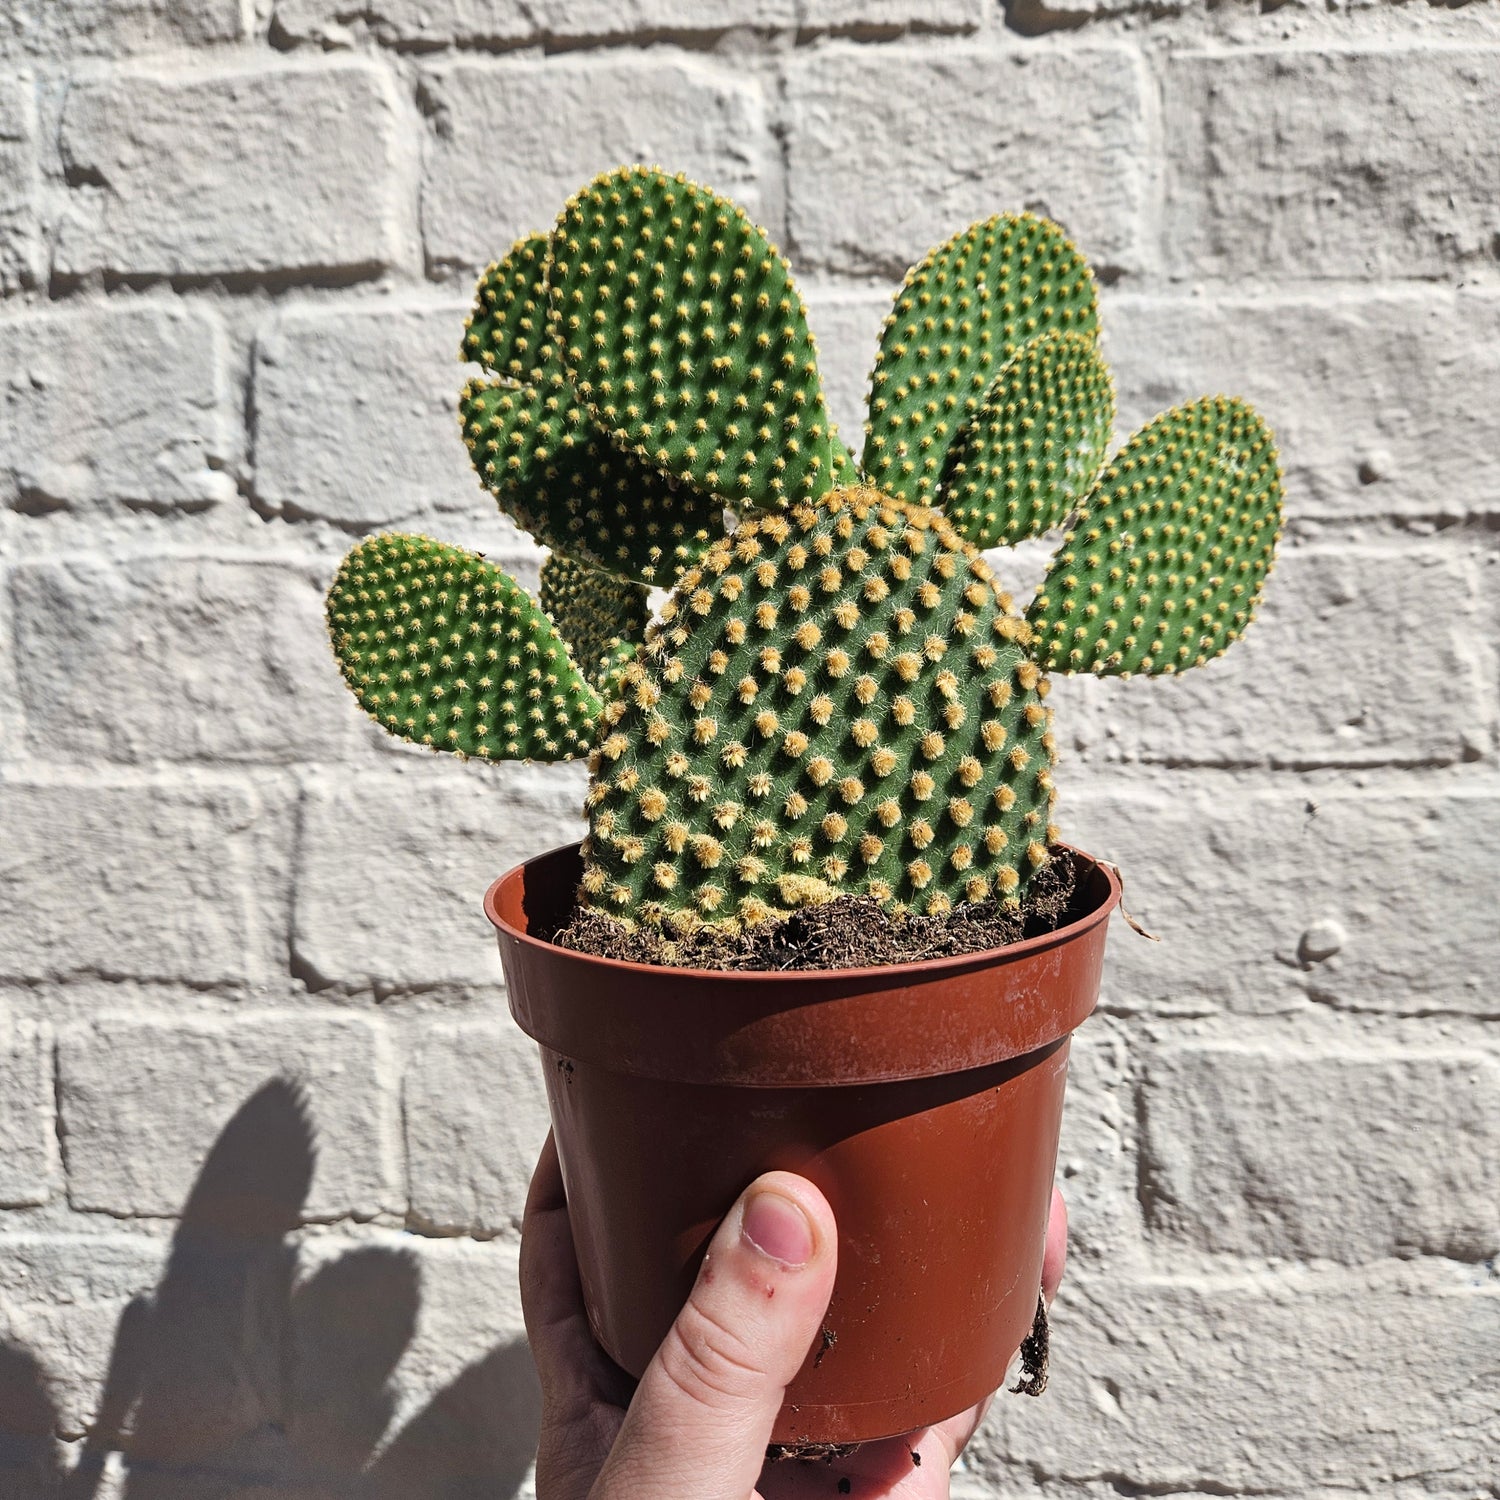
702 1415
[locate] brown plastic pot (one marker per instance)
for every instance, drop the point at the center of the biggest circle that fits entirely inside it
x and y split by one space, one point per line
923 1099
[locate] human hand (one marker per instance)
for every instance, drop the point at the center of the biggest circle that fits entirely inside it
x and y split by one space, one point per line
697 1426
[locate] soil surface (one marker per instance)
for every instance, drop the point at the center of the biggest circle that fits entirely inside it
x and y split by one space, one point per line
852 932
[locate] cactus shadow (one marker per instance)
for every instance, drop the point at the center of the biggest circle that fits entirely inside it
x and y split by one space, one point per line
244 1373
29 1466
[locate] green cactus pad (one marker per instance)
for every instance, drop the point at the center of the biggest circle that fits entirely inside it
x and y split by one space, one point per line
682 330
507 331
1166 562
961 313
1031 451
558 476
845 470
602 618
835 701
445 650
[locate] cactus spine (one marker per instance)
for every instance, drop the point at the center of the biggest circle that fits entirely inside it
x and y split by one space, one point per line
836 697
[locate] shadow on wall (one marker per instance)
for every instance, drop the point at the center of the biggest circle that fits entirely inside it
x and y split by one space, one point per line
233 1379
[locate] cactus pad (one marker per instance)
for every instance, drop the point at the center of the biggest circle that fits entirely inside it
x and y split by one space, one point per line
961 313
558 476
507 331
1165 564
444 649
836 700
602 618
1031 451
683 332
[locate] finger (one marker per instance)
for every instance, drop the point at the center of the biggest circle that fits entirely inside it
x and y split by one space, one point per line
1056 1254
952 1436
700 1421
557 1327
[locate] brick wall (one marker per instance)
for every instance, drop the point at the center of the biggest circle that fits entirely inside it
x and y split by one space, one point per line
243 977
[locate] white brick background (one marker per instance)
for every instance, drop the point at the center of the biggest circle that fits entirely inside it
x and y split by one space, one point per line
236 242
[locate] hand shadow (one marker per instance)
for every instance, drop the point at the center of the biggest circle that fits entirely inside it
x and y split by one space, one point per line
232 1379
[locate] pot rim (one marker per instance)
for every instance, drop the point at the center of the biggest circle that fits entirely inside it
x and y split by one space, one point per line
926 968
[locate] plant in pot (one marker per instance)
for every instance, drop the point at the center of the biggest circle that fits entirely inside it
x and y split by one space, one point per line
823 919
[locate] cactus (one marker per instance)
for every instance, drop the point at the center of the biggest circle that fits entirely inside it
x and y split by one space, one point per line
534 445
1031 448
601 617
1171 548
836 697
680 327
962 312
442 648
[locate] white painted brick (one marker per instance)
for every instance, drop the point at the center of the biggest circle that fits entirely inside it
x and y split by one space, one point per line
50 29
1035 17
19 235
1339 1155
356 414
1410 687
1381 405
1096 1157
31 1464
61 1299
893 149
133 882
1280 1389
1318 162
198 1373
28 1139
925 15
144 1101
177 658
686 115
256 171
391 869
475 1108
268 1364
1246 881
429 21
128 404
467 1408
476 1115
390 1364
12 726
847 328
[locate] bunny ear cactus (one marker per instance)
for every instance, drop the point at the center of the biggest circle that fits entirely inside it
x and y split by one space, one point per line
1171 548
442 648
1030 449
537 449
601 617
836 698
965 310
682 331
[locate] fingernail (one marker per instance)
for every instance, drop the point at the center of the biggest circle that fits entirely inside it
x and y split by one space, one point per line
777 1227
